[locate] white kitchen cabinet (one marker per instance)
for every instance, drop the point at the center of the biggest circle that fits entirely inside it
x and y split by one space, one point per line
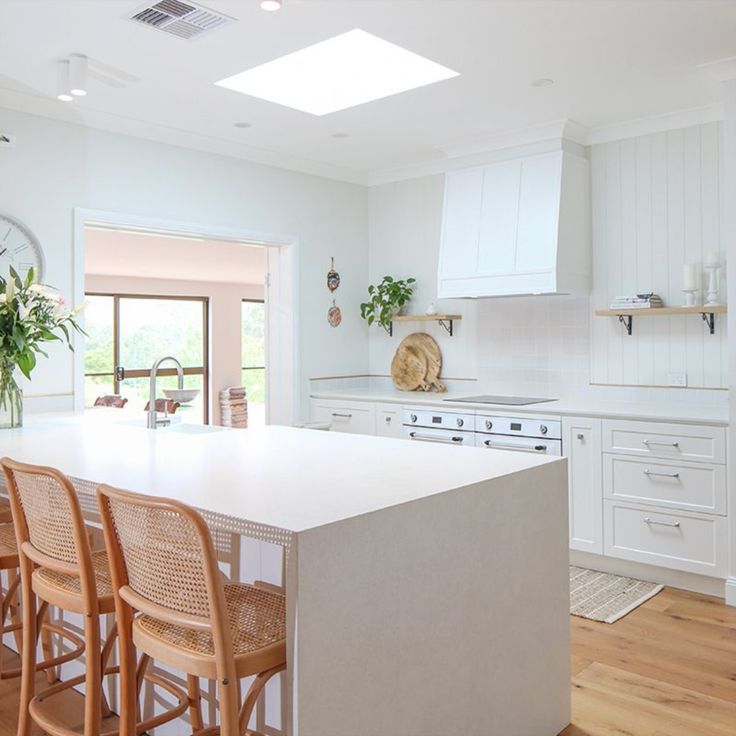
581 444
388 420
517 227
357 417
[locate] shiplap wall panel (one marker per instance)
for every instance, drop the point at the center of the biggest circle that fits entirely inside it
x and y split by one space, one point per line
656 205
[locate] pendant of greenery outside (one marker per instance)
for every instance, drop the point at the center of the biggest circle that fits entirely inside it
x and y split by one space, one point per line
31 314
386 300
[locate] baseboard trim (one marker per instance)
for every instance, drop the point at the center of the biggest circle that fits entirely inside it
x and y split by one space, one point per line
653 574
731 592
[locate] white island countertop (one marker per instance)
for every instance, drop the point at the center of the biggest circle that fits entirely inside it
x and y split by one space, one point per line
294 479
659 411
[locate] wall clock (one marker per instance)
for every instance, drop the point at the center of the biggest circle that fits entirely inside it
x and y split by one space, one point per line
19 248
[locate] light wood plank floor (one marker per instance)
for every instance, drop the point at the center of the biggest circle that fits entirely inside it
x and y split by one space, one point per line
666 669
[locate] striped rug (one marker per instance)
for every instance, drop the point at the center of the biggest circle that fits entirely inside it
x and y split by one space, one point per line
601 596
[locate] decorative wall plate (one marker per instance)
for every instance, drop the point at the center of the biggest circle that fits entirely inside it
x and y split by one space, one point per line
333 277
334 315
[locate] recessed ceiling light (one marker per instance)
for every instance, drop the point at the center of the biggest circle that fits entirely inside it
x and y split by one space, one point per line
341 72
544 82
271 5
62 81
340 135
242 125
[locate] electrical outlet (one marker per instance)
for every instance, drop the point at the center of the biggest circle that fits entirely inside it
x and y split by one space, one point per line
677 379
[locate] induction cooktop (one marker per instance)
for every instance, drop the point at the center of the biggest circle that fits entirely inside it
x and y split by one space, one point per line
506 400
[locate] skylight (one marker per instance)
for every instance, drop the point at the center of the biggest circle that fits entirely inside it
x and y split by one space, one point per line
341 72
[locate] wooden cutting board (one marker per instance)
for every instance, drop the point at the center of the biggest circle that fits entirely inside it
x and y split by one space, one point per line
427 344
408 368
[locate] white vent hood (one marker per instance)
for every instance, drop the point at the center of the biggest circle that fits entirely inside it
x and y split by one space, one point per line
518 226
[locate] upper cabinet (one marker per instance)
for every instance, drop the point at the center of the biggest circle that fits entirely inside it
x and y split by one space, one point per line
517 227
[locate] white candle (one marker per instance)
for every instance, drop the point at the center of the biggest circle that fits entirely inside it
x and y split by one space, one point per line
690 277
712 258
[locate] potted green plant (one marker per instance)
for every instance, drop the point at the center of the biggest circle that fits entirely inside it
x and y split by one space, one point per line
386 300
30 314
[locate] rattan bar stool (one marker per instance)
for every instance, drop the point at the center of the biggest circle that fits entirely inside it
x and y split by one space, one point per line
59 568
174 606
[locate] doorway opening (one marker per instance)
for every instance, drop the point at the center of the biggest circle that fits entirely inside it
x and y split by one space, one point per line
203 298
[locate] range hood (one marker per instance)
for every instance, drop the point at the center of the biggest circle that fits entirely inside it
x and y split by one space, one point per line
517 226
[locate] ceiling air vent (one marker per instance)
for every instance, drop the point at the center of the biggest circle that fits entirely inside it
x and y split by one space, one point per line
182 19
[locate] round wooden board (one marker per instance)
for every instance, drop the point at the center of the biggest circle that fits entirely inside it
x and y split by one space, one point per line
408 368
428 345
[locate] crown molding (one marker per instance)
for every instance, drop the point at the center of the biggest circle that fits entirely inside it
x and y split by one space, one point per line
723 70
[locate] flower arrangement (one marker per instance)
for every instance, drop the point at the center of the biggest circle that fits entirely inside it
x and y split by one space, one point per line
30 314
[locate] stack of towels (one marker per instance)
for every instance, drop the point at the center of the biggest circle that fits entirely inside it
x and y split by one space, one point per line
638 301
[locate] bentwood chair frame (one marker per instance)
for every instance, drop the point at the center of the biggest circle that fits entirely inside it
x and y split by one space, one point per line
144 592
54 547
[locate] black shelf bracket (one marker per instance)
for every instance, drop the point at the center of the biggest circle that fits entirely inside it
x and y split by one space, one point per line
627 320
447 324
710 319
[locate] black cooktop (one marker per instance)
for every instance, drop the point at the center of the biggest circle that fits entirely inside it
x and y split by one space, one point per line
506 400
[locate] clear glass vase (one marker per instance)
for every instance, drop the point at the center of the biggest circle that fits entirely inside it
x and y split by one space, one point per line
11 398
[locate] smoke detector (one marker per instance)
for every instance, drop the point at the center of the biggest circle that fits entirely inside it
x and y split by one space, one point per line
181 19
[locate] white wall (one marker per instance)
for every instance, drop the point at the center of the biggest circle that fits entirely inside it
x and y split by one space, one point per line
225 319
656 206
56 167
543 345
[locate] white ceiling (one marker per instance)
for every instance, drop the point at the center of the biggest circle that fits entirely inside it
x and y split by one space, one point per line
612 61
142 255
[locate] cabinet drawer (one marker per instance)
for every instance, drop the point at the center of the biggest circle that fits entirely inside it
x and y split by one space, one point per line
357 418
690 542
688 486
388 420
669 441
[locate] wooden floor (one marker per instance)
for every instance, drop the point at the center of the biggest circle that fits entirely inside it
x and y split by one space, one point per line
666 669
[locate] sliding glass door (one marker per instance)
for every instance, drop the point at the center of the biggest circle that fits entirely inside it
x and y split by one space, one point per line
128 333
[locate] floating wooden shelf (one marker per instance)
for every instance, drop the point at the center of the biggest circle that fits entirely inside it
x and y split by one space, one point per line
445 320
625 316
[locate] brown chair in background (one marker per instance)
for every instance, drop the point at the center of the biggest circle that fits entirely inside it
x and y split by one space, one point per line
174 606
169 406
59 568
114 400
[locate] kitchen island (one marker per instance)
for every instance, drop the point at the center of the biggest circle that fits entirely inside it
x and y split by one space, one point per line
427 586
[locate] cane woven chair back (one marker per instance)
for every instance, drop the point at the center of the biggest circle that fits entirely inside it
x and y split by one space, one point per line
165 554
47 515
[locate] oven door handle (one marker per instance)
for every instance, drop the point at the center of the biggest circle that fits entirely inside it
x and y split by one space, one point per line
432 438
518 448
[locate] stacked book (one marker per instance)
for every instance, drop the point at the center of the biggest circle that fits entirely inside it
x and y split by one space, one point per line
234 407
638 301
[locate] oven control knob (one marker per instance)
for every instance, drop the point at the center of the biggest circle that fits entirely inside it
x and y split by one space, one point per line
460 422
489 424
413 417
543 429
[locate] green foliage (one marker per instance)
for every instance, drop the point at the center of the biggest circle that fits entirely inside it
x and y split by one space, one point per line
30 314
386 300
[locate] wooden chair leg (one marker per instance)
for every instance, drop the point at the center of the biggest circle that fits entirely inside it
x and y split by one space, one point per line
256 688
28 674
105 655
229 707
195 703
93 678
14 606
52 673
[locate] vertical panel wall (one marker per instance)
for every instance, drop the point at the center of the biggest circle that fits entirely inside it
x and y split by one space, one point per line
656 206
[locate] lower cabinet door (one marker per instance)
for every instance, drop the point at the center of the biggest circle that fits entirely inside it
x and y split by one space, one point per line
678 540
388 420
581 444
356 417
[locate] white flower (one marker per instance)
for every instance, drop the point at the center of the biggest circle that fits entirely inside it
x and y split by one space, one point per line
3 298
46 292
